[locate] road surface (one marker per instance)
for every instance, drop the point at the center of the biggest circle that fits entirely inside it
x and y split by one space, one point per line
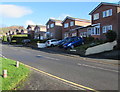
90 74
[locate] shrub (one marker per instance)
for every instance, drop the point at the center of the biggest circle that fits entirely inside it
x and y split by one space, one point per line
4 39
111 36
88 39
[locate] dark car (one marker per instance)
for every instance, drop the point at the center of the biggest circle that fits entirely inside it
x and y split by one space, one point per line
73 42
25 41
60 44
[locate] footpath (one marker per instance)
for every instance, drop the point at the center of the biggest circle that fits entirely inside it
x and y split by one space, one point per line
39 81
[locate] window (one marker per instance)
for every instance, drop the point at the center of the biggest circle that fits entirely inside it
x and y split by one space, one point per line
74 34
107 13
89 31
47 26
65 35
96 16
97 31
52 25
65 25
54 40
71 23
83 34
94 31
110 12
106 28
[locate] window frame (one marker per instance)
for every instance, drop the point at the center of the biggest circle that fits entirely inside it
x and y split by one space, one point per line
96 16
51 25
107 13
66 25
72 23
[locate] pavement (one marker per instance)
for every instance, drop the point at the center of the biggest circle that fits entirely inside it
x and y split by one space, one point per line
82 71
39 81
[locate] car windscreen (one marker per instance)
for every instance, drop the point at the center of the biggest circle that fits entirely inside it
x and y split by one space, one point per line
54 40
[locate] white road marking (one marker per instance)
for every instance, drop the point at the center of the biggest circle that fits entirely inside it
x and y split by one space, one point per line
52 58
97 67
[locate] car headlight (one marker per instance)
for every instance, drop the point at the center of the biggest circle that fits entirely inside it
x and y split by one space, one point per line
69 44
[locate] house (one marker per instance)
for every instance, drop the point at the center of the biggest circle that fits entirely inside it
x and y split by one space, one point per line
69 25
105 17
14 30
54 28
30 29
40 32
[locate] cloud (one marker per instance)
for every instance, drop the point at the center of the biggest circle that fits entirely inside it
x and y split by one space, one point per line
13 11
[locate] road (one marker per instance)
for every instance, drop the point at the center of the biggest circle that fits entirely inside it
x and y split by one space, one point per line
90 74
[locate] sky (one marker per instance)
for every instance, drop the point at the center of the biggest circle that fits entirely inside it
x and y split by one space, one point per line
38 13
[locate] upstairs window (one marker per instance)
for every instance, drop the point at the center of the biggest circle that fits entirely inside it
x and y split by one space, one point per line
65 25
72 23
96 16
52 25
107 13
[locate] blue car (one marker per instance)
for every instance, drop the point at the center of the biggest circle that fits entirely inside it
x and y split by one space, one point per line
73 42
60 44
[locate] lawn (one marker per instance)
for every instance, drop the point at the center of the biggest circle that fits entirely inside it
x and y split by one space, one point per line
15 75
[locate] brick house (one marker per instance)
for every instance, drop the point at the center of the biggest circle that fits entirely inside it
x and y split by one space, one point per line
54 29
105 17
40 32
69 25
30 30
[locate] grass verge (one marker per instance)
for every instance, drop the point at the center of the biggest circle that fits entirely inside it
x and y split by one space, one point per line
15 75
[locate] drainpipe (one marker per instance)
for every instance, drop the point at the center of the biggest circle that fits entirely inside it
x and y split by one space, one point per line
77 32
118 23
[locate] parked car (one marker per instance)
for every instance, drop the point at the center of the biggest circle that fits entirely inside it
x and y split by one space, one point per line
60 44
73 42
52 42
25 41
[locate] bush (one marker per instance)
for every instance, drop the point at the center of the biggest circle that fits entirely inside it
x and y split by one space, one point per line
111 36
88 39
4 39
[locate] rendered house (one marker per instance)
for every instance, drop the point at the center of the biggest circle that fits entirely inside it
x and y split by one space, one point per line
54 29
30 30
40 32
70 24
105 16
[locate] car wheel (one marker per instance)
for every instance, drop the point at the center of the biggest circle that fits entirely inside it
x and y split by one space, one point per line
82 43
72 46
52 45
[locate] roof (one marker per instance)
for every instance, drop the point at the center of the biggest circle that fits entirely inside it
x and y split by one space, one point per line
103 3
83 27
54 20
76 19
40 26
30 26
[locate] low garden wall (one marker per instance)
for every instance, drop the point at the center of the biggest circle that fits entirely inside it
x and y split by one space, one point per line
101 48
93 50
